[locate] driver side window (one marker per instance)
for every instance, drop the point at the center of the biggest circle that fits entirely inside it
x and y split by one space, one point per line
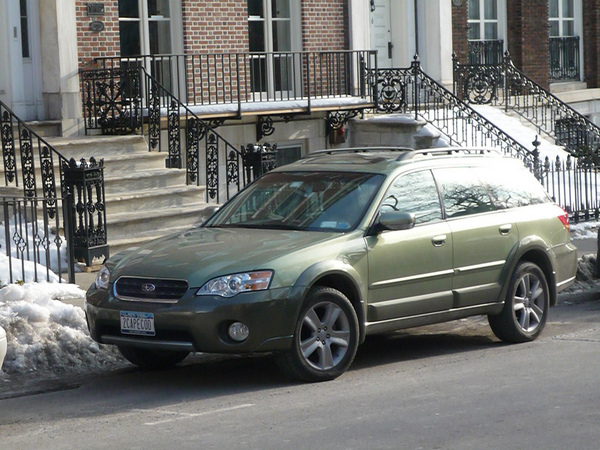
414 193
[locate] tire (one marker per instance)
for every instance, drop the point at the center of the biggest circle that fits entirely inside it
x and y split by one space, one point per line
325 339
152 359
526 307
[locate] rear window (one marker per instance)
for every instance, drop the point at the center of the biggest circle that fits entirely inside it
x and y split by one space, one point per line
513 189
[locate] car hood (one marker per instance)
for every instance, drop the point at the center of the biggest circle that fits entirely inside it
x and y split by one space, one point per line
200 254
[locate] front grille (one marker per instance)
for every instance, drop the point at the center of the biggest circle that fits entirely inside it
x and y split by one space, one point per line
150 289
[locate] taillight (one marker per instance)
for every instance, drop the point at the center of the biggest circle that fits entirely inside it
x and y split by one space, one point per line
564 218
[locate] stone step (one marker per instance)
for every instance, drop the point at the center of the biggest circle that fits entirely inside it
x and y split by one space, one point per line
98 146
159 221
154 199
43 128
143 180
114 165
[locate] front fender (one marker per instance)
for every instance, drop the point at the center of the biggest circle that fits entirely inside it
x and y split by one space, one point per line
336 274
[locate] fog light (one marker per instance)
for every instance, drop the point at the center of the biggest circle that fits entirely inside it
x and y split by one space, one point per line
238 331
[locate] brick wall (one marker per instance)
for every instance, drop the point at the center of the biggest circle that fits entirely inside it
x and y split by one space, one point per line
591 41
324 25
460 44
528 35
94 44
215 26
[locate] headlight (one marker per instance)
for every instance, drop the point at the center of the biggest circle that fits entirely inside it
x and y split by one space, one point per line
231 285
102 278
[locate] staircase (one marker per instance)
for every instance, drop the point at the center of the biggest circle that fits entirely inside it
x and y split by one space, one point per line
144 200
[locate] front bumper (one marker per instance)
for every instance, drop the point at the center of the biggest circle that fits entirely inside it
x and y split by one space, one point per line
199 323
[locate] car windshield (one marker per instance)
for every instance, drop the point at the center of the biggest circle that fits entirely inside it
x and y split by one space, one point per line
320 201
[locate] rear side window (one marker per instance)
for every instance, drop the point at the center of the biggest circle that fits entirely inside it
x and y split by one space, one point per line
462 192
512 189
414 193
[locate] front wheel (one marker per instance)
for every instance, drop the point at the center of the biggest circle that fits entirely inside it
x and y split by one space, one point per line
152 359
526 308
325 339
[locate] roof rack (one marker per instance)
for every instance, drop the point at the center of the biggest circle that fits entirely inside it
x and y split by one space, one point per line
408 153
448 151
334 151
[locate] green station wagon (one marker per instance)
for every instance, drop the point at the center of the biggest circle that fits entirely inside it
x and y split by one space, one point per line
314 256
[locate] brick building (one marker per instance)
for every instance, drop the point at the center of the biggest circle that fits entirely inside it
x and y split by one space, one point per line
44 44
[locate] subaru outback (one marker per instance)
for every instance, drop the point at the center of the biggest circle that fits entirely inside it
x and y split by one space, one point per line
314 256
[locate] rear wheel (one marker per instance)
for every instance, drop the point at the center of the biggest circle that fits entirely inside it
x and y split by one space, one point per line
325 339
152 359
526 308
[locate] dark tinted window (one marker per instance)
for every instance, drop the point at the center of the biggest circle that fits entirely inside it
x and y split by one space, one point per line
462 192
511 190
414 193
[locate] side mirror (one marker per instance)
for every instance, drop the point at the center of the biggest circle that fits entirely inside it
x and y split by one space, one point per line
207 213
396 220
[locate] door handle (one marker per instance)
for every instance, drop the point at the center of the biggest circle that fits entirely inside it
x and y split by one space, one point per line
505 229
390 46
438 241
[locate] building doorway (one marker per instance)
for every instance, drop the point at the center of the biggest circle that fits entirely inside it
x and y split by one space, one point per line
381 32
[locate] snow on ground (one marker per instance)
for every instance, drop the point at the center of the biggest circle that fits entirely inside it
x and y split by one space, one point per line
46 334
524 133
584 230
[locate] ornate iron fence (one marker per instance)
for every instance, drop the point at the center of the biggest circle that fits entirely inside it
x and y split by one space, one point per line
564 58
112 100
410 90
488 51
33 169
507 86
31 244
237 78
574 185
197 136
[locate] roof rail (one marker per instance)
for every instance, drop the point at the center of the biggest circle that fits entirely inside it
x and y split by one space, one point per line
448 151
332 151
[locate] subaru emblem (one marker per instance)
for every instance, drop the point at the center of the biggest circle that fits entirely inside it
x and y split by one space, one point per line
148 287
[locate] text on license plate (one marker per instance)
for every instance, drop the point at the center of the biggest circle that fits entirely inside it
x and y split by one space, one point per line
141 323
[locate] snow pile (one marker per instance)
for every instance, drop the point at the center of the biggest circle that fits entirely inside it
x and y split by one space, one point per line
584 230
47 335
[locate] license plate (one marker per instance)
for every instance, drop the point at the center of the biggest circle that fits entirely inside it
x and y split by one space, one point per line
139 323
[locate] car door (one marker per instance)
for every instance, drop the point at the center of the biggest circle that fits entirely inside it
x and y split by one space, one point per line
410 271
483 235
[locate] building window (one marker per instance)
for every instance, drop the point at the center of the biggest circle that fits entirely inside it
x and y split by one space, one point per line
483 19
272 29
562 18
145 27
25 53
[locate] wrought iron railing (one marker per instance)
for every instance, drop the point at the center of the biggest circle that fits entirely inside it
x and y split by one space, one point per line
199 139
241 78
410 90
32 168
505 85
112 100
564 58
488 51
31 247
575 185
